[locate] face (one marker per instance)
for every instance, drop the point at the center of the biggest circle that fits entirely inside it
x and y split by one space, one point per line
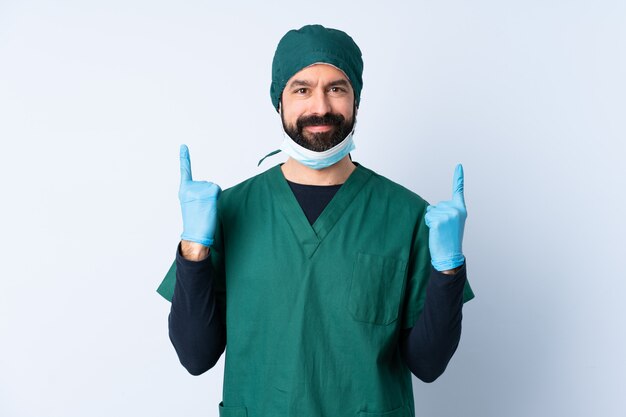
317 107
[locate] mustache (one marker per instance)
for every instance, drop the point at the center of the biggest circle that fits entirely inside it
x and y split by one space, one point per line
327 119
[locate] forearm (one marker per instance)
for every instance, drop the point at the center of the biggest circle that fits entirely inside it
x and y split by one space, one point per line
195 327
432 341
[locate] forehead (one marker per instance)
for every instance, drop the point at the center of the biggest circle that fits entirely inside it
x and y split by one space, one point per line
317 72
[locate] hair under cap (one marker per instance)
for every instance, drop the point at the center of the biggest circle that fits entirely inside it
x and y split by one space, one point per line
314 44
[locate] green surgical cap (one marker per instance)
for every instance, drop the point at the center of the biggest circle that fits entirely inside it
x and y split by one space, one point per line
314 44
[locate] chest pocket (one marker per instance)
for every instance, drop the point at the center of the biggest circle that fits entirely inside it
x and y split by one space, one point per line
376 289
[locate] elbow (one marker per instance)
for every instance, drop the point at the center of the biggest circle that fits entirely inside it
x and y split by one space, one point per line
428 375
198 350
430 367
197 369
197 363
427 366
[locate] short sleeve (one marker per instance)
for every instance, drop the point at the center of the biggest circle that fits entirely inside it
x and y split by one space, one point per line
418 273
166 288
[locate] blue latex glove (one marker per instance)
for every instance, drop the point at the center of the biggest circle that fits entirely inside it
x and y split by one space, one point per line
198 202
446 222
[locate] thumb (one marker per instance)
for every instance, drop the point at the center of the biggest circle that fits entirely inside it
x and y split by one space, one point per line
458 185
185 164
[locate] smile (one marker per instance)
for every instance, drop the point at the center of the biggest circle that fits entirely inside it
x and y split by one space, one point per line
323 128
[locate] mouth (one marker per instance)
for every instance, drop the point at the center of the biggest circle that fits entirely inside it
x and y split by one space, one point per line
321 128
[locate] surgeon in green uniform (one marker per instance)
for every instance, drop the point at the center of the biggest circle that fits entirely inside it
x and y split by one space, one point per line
311 307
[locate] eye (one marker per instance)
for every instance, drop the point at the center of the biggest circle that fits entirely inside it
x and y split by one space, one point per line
302 90
337 90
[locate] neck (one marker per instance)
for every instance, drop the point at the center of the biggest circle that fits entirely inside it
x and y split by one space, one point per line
333 175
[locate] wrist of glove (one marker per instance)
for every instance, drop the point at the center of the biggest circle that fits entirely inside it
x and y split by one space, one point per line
448 264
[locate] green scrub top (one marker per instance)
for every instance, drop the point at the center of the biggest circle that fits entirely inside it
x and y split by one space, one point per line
314 312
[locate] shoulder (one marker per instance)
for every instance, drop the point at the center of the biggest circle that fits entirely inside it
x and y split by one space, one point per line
393 192
257 184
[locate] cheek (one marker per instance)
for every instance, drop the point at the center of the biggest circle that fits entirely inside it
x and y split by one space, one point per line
348 112
345 108
289 119
292 113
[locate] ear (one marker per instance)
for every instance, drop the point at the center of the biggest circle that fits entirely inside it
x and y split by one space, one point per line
280 103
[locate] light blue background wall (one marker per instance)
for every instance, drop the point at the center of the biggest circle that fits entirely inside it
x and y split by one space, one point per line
95 98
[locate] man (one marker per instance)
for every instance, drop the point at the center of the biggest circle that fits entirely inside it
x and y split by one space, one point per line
329 283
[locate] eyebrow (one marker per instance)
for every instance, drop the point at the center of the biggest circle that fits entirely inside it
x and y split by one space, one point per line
304 83
298 83
343 83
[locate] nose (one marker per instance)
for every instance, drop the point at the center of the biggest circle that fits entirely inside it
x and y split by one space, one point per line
319 103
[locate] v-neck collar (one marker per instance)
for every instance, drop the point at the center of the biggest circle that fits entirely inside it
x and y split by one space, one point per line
310 236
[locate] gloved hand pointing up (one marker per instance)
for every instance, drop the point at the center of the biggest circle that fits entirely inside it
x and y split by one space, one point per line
446 222
198 202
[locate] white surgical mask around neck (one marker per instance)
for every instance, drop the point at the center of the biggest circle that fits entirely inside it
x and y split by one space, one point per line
314 159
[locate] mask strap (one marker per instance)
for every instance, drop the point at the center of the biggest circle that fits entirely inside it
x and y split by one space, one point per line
268 155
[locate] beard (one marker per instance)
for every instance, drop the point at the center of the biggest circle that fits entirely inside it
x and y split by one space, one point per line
319 141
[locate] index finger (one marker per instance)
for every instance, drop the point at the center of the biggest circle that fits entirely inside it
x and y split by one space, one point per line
185 164
458 185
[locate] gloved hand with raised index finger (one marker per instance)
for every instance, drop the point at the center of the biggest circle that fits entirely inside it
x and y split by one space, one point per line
446 222
198 202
